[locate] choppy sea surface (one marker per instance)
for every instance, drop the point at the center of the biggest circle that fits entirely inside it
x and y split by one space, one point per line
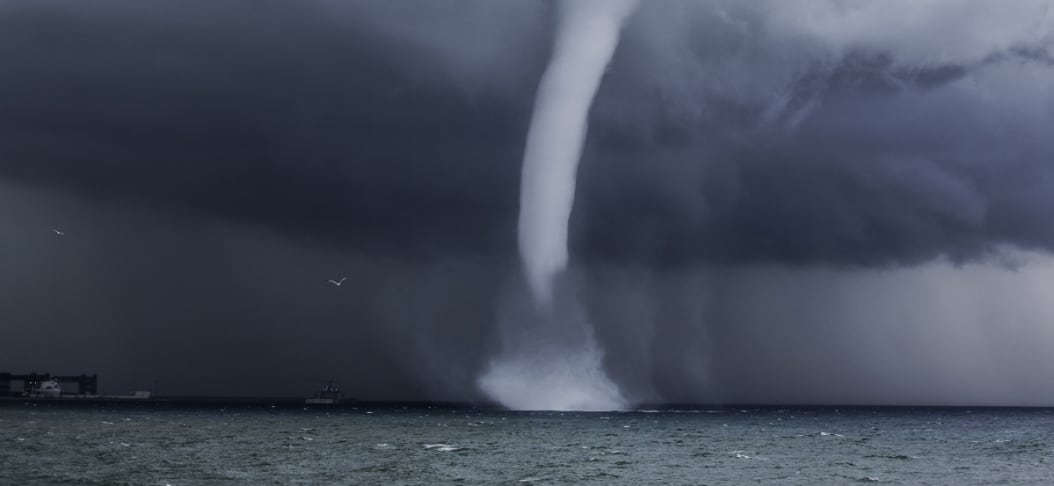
151 444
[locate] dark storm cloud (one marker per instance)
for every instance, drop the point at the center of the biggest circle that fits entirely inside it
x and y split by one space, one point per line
398 126
720 134
274 113
213 163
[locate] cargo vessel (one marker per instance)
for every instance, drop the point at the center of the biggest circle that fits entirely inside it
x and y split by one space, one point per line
330 394
44 386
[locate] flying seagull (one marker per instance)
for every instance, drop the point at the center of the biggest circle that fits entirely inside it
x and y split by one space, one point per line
334 282
57 232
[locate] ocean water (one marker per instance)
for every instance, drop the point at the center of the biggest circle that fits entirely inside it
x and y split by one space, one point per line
158 444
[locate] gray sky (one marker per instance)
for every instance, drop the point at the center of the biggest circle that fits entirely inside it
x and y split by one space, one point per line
761 183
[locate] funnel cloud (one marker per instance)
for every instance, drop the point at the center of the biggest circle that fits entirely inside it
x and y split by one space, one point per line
586 38
559 375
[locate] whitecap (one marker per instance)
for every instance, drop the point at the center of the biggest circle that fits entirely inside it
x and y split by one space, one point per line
442 447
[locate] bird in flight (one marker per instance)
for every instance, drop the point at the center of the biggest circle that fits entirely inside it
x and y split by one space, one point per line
57 232
338 283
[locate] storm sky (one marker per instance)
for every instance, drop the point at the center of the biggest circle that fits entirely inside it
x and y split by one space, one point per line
779 201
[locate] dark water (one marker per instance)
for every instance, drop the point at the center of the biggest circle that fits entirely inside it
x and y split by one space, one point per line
191 445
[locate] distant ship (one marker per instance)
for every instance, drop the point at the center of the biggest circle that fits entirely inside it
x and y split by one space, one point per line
51 388
44 386
45 389
330 394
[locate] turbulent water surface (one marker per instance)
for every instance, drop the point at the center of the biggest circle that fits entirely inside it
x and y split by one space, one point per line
215 444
